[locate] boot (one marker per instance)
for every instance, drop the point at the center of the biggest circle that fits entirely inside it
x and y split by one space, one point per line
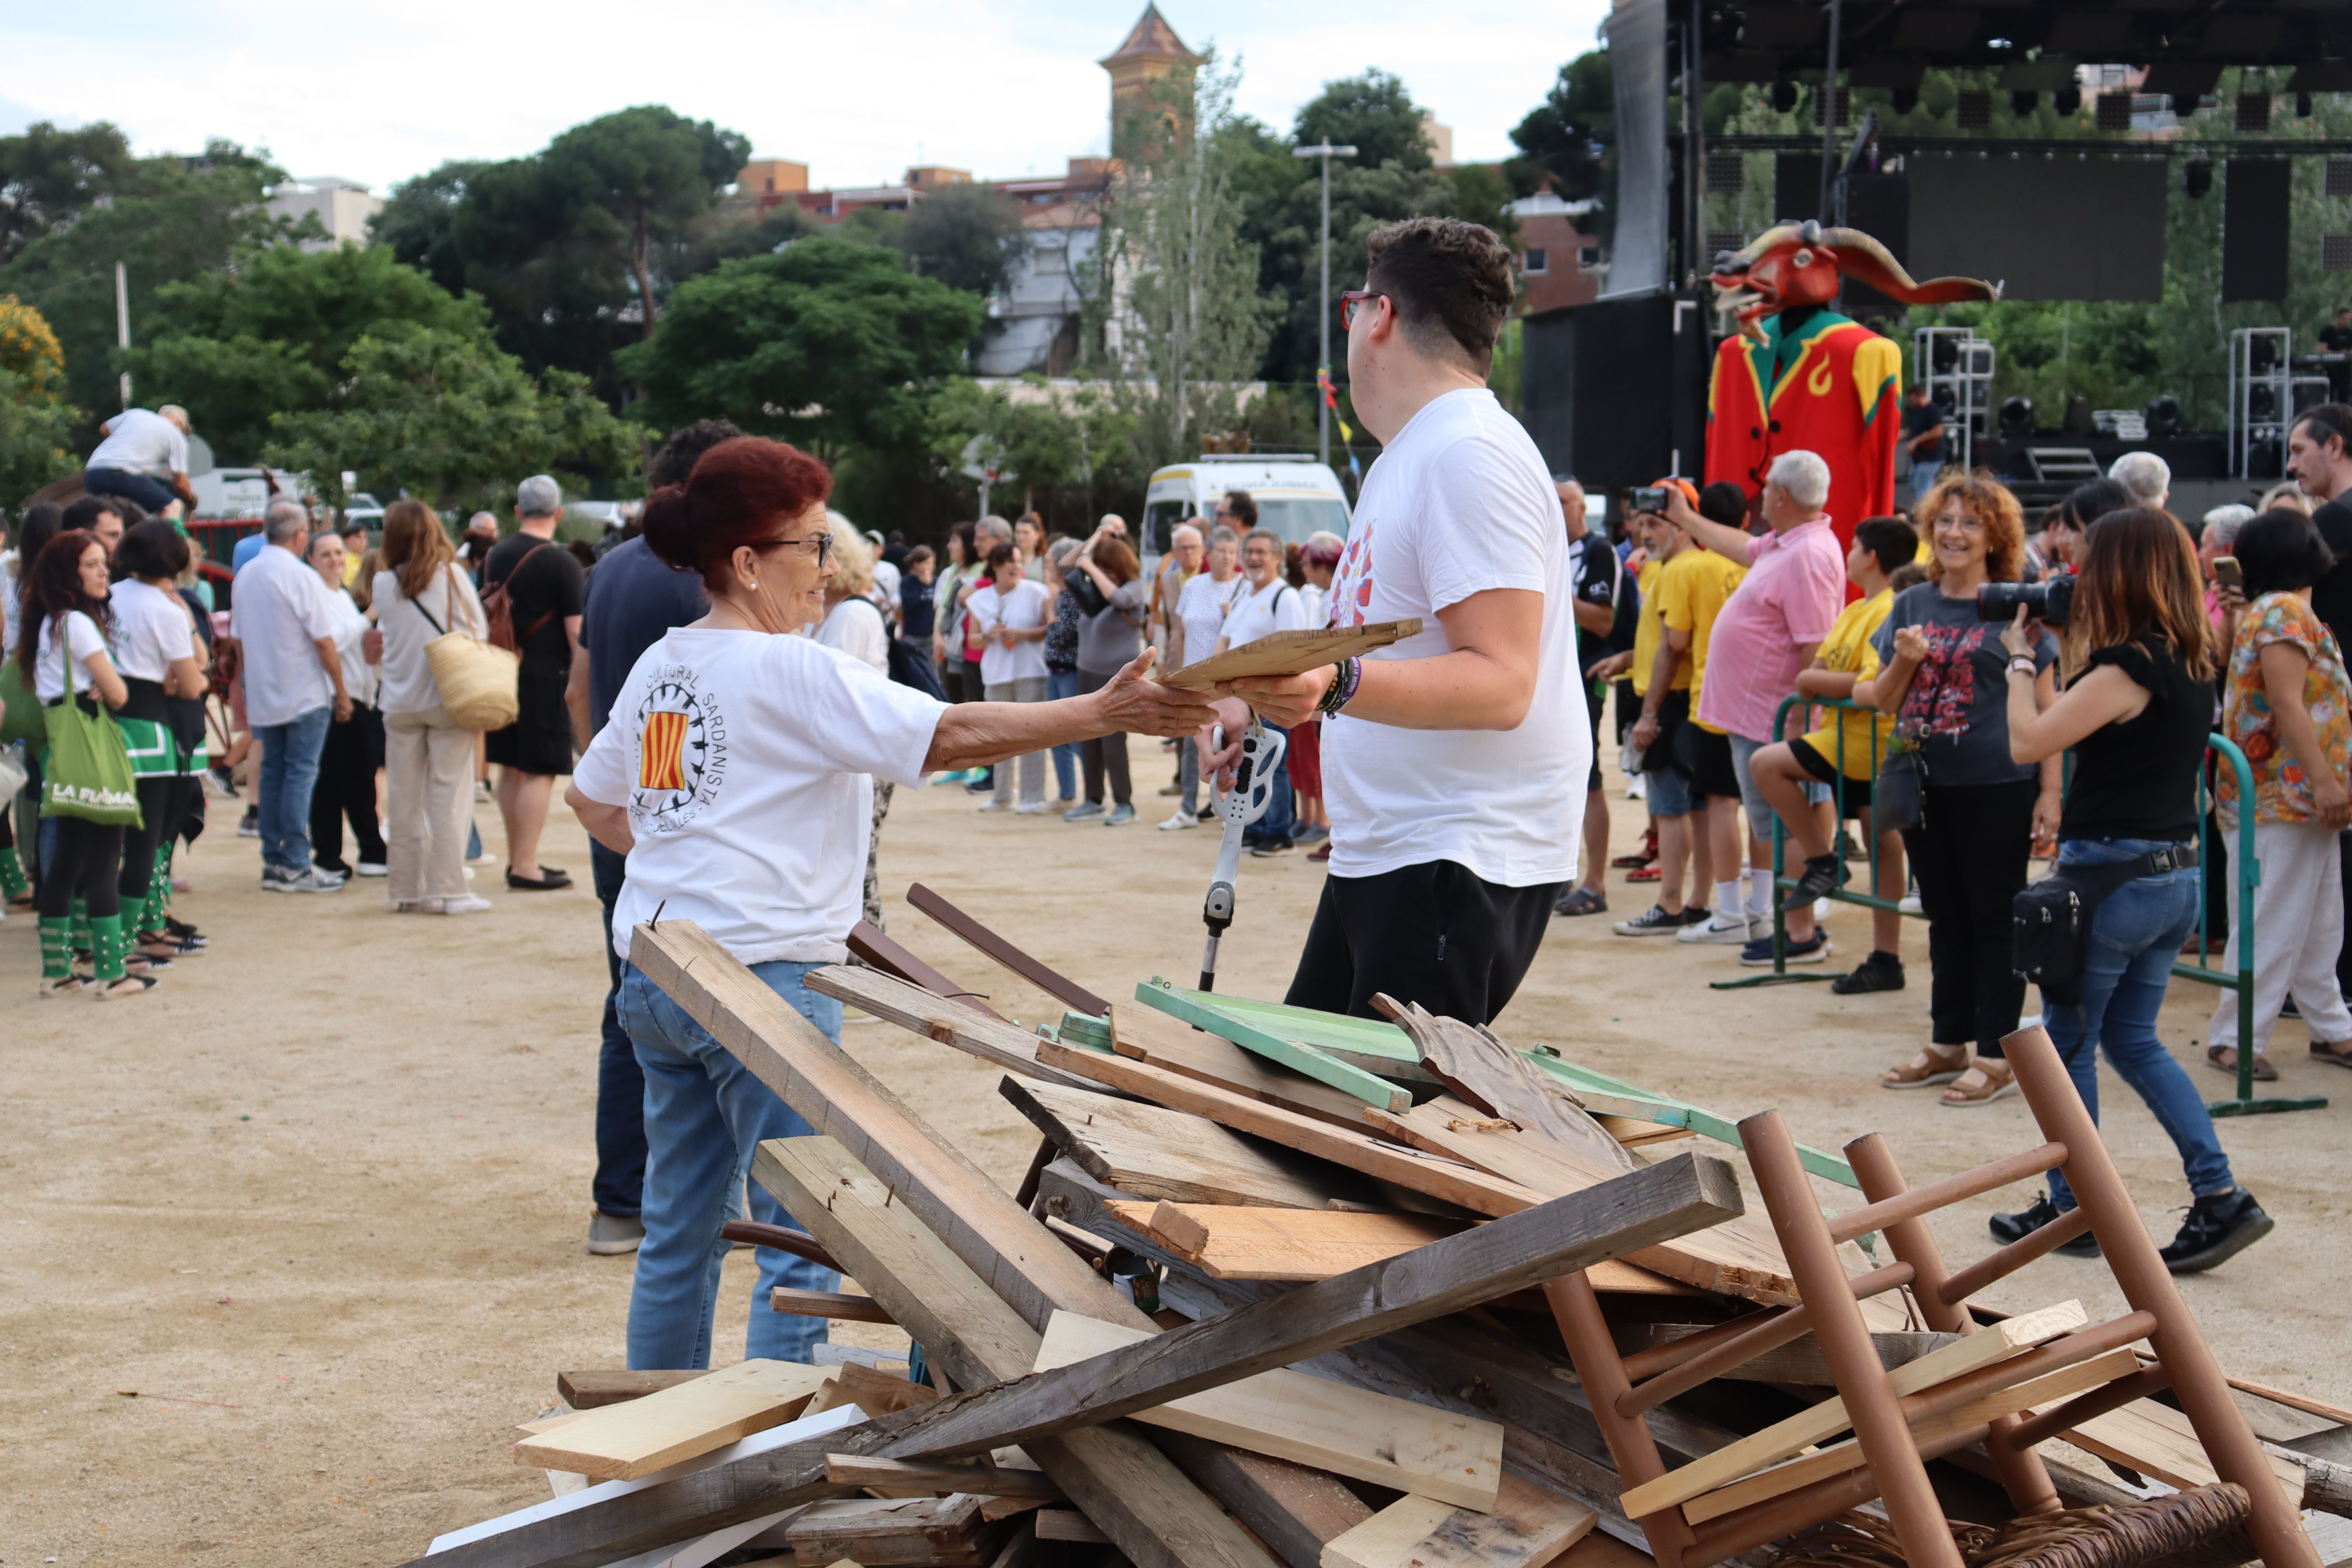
13 884
57 956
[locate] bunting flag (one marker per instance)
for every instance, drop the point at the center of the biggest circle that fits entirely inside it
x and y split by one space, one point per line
1331 402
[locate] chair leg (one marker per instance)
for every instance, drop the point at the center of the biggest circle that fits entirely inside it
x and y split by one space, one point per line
2197 1378
1594 1353
2022 1474
1878 1422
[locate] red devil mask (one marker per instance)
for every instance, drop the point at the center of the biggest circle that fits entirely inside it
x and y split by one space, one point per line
1794 265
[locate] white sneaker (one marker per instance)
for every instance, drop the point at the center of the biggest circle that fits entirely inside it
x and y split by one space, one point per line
1182 819
1821 911
1722 929
468 905
1638 789
990 806
1911 905
1030 808
312 881
367 869
1760 927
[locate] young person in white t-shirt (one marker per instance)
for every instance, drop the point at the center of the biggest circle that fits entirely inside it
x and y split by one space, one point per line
1013 612
1200 621
736 775
154 648
1455 770
1266 605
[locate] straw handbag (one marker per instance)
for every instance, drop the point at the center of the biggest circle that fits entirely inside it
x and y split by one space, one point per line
477 681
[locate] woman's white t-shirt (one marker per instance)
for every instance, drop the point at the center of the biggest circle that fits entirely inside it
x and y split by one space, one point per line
152 630
743 760
82 639
1461 502
854 627
1026 607
351 627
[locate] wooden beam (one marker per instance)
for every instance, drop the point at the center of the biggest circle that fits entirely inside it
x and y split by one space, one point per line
1067 1524
949 1532
838 1305
1160 1518
929 1478
2157 1440
1060 987
878 950
1488 1074
1278 1045
1291 1508
594 1390
1462 1271
950 1023
875 1392
1733 1265
1167 1042
1777 1442
1162 1153
1313 1421
623 1442
978 1341
1527 1527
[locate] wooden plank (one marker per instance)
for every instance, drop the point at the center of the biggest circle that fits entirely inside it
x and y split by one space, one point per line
1310 1060
950 1023
1059 987
1734 1265
1635 1131
623 1442
1168 1042
1783 1438
1527 1527
930 1477
838 1305
1490 1076
1839 1457
1378 1048
2157 1440
870 946
978 1340
888 1533
1314 1421
1068 1524
1159 1518
1156 1153
875 1392
1309 1319
1294 1510
594 1390
1290 653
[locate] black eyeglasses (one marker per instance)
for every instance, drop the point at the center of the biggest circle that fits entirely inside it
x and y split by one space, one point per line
823 542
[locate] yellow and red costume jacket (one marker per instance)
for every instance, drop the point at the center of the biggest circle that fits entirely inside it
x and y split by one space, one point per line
1817 383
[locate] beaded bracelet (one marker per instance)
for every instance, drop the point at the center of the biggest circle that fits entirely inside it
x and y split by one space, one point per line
1342 689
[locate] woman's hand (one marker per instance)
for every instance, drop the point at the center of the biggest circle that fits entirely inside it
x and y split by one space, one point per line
372 644
1289 700
2047 808
2331 804
2021 637
1136 704
1911 643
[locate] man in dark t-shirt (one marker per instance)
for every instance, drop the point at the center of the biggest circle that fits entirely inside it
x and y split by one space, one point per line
2319 459
545 590
1598 581
1923 438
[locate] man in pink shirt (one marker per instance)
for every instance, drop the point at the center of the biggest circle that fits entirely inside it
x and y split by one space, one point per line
1768 631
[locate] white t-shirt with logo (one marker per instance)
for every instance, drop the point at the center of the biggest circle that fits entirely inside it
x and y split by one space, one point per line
82 639
152 630
1460 503
141 441
1276 607
1028 605
744 762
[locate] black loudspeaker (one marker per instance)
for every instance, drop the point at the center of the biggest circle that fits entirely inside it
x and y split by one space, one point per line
1616 392
2254 230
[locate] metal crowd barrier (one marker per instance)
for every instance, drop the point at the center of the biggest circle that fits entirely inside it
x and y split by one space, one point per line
2247 866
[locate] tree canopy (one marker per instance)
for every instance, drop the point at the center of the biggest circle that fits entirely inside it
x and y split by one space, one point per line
966 235
36 422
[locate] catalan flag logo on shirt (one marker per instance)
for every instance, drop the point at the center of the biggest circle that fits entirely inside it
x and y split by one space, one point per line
661 752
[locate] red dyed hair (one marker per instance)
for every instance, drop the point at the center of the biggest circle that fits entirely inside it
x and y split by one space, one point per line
737 494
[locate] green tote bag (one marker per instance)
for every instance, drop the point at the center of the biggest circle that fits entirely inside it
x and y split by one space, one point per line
87 769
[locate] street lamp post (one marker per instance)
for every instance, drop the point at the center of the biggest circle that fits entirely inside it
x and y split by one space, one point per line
1327 151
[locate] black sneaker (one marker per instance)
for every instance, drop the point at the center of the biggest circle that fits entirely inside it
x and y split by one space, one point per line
2218 1228
1697 914
1655 921
1882 971
2009 1227
1823 874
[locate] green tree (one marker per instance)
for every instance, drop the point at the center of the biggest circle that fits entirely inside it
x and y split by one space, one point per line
418 222
636 180
36 422
1372 113
829 344
966 235
1571 135
270 337
450 418
1052 447
49 176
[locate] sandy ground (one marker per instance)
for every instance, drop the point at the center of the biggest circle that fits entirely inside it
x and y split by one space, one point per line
321 1199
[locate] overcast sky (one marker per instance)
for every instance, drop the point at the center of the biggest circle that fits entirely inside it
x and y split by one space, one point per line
858 91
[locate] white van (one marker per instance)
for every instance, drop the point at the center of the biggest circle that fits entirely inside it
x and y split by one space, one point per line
1295 496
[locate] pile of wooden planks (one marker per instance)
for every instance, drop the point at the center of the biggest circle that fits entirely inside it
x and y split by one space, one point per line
1271 1293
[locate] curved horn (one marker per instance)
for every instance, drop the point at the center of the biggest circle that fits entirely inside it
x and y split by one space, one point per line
1861 258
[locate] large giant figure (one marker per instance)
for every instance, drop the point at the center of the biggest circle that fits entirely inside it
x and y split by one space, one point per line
1800 376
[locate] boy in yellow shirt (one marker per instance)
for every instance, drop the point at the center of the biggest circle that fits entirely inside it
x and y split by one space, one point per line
1854 744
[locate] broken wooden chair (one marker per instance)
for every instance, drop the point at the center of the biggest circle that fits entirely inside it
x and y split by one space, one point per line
1764 1488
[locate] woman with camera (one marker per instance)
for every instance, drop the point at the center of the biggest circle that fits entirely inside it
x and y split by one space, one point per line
2135 715
2285 704
1982 811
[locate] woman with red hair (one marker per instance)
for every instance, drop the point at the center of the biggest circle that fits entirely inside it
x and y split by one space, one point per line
737 775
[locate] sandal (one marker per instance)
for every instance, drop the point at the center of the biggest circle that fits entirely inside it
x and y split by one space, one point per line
2225 1058
1586 902
2334 1053
1930 1067
1649 873
1991 1085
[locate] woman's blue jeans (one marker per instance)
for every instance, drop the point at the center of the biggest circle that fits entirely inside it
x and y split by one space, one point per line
705 1112
1061 683
2134 940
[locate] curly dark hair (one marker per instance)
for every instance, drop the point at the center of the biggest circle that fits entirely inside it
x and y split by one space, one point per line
677 457
1451 284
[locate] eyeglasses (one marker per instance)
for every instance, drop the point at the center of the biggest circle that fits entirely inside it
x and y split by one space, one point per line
822 541
1348 300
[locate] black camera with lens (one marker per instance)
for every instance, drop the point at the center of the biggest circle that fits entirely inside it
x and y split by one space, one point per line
2048 602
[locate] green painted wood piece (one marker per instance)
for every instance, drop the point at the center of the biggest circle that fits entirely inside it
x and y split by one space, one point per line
1271 1038
1382 1048
1085 1031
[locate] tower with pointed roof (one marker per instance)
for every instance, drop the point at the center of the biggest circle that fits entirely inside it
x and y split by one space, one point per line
1146 73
